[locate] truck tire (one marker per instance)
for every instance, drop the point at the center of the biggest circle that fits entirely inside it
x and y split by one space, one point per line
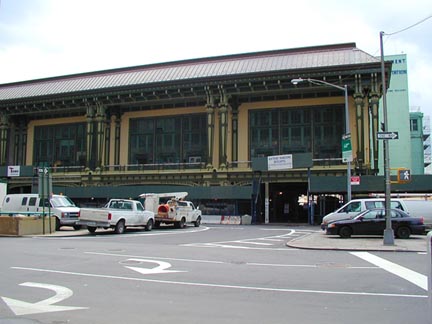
181 223
91 229
57 224
197 223
149 225
120 227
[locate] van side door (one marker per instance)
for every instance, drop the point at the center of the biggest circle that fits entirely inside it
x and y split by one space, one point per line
24 206
32 204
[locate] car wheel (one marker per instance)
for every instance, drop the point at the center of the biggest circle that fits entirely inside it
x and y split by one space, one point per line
345 232
120 227
77 227
197 222
91 229
57 224
149 225
403 232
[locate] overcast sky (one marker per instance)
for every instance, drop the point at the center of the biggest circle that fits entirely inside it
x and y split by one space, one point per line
44 38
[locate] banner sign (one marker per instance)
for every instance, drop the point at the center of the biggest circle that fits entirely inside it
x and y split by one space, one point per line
280 162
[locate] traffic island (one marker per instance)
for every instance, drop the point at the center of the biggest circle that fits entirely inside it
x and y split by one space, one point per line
20 225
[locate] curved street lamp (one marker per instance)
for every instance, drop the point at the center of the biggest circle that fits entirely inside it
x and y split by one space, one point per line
347 125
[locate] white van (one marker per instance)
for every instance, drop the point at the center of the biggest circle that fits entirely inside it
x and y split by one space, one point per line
61 207
356 206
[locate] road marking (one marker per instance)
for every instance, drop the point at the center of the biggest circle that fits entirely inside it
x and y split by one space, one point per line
20 307
301 265
161 258
398 270
212 285
160 268
226 246
251 241
122 236
218 262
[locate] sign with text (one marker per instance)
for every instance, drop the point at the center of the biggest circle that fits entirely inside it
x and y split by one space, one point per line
387 135
280 162
346 148
13 171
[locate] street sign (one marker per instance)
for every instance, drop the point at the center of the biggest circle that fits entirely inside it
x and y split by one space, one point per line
355 180
387 135
346 148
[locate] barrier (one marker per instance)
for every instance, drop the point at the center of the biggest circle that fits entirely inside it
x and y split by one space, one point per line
26 225
225 220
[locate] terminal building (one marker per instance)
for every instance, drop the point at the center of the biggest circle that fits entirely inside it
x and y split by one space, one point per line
210 126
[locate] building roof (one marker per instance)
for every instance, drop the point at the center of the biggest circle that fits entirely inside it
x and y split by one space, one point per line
230 66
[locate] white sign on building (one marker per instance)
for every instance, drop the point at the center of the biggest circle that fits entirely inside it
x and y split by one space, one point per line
13 171
279 162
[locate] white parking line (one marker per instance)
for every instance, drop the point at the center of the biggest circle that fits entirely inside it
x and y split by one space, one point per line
213 285
398 270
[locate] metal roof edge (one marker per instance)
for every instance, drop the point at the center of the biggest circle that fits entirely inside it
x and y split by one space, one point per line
317 48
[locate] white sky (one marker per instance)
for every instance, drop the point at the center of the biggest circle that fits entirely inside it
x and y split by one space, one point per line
44 38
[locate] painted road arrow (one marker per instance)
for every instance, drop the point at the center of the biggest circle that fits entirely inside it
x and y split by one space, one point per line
160 268
20 307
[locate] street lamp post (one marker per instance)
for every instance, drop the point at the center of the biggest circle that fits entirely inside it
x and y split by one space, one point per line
347 125
388 232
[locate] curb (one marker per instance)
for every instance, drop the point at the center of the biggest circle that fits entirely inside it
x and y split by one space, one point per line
321 242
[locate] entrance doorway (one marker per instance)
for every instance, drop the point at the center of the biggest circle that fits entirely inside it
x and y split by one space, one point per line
288 203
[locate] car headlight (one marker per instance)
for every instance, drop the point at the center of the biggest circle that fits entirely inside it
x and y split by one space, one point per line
331 226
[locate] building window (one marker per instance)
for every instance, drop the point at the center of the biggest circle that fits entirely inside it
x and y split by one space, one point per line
60 145
414 125
173 139
286 131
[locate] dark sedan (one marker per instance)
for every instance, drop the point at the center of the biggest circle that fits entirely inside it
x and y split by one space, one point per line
373 222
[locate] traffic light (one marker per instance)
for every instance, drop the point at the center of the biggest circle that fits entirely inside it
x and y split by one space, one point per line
403 175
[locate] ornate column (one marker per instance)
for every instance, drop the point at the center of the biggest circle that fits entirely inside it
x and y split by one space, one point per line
4 127
90 137
117 140
210 127
101 128
359 118
374 106
234 132
223 127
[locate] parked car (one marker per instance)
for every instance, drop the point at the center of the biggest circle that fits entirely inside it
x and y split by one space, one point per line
373 222
356 206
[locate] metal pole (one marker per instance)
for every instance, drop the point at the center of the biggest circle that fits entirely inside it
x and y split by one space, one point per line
429 249
347 131
388 232
347 125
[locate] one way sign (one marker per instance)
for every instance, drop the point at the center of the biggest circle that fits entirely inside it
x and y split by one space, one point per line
387 135
403 175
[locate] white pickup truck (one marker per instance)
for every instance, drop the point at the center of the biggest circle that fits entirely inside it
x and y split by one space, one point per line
175 211
117 214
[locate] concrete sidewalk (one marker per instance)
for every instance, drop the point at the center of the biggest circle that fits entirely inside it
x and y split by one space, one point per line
320 241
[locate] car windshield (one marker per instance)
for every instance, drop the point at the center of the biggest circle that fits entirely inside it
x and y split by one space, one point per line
62 201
